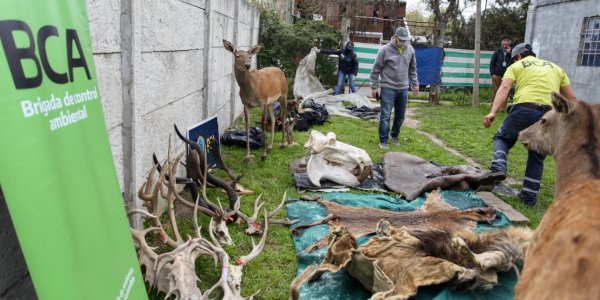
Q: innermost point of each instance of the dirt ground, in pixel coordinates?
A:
(411, 122)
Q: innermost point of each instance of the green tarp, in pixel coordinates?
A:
(341, 286)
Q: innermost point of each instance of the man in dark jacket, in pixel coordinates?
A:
(347, 66)
(498, 64)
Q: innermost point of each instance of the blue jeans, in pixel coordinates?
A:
(340, 83)
(519, 118)
(397, 100)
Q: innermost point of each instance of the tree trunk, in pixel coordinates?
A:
(475, 101)
(438, 41)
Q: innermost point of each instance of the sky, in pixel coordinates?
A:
(417, 5)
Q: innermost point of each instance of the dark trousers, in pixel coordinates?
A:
(519, 118)
(396, 100)
(496, 82)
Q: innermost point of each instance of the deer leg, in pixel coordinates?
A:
(264, 132)
(283, 116)
(247, 119)
(273, 121)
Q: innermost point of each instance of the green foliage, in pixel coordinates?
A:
(284, 45)
(503, 20)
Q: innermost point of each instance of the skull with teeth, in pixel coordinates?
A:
(335, 161)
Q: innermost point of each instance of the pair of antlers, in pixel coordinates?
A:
(173, 272)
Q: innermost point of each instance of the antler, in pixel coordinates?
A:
(196, 162)
(253, 226)
(217, 213)
(174, 272)
(231, 277)
(256, 249)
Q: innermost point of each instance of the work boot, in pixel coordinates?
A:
(492, 178)
(528, 200)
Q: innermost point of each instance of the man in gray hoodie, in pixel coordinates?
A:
(394, 72)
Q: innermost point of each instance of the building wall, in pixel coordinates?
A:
(558, 41)
(162, 62)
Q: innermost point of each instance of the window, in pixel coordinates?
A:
(589, 44)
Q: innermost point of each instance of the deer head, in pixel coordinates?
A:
(243, 59)
(545, 135)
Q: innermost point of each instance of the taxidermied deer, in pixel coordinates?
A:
(563, 261)
(174, 272)
(259, 88)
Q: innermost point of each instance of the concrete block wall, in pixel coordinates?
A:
(162, 62)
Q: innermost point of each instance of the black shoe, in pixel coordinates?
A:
(492, 178)
(527, 200)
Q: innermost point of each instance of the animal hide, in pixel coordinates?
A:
(398, 261)
(433, 215)
(410, 175)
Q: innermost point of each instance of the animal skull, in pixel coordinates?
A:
(221, 232)
(335, 161)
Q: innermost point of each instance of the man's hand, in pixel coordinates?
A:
(489, 119)
(416, 91)
(375, 94)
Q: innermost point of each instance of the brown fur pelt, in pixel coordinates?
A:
(399, 261)
(434, 214)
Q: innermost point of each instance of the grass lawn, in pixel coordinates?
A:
(460, 127)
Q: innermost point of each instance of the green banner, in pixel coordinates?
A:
(56, 167)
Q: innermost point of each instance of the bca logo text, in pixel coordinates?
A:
(15, 55)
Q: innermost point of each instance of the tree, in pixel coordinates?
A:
(420, 24)
(284, 45)
(503, 19)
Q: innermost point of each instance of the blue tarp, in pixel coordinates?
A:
(429, 65)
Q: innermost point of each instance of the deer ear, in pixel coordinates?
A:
(561, 104)
(255, 49)
(228, 46)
